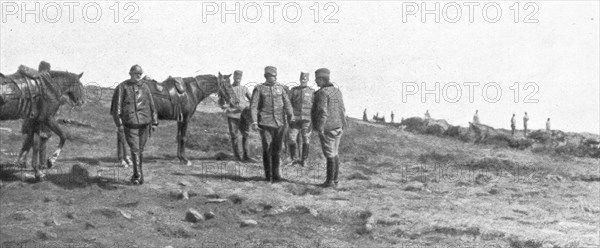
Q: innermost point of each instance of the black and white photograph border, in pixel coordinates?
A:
(300, 124)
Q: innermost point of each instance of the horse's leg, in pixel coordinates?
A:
(179, 124)
(35, 160)
(58, 131)
(184, 160)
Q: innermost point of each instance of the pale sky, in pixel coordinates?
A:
(370, 52)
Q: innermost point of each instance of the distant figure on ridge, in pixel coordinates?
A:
(548, 125)
(392, 115)
(525, 120)
(513, 125)
(476, 117)
(365, 118)
(427, 115)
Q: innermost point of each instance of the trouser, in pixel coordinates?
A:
(302, 129)
(271, 139)
(525, 130)
(330, 141)
(512, 128)
(235, 126)
(136, 136)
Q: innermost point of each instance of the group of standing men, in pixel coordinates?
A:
(273, 109)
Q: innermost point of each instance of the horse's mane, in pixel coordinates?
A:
(54, 74)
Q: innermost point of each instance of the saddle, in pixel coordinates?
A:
(25, 86)
(173, 89)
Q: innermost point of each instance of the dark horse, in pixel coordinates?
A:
(177, 99)
(36, 98)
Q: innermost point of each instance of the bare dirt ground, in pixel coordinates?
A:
(397, 189)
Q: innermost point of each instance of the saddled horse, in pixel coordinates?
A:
(177, 98)
(36, 97)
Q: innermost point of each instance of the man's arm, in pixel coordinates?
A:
(117, 104)
(254, 104)
(152, 107)
(287, 106)
(343, 110)
(320, 110)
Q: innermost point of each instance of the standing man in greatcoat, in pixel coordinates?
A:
(136, 114)
(235, 120)
(329, 120)
(302, 100)
(270, 106)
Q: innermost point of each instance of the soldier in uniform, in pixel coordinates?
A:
(302, 100)
(27, 127)
(548, 125)
(476, 117)
(513, 125)
(234, 118)
(135, 112)
(329, 120)
(269, 108)
(525, 120)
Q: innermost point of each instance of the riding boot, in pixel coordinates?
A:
(136, 175)
(293, 151)
(329, 176)
(275, 161)
(140, 164)
(305, 149)
(336, 170)
(267, 165)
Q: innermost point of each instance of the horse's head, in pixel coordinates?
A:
(225, 90)
(70, 85)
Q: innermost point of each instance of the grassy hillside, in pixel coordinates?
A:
(397, 189)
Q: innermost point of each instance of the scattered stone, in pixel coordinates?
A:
(246, 223)
(89, 226)
(48, 199)
(209, 215)
(193, 216)
(45, 235)
(51, 222)
(494, 191)
(71, 215)
(358, 176)
(185, 195)
(236, 199)
(314, 212)
(125, 214)
(216, 200)
(414, 186)
(185, 183)
(222, 156)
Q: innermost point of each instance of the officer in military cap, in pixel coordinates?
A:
(135, 112)
(302, 99)
(235, 120)
(270, 106)
(329, 120)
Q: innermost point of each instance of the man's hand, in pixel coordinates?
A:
(255, 126)
(120, 129)
(153, 128)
